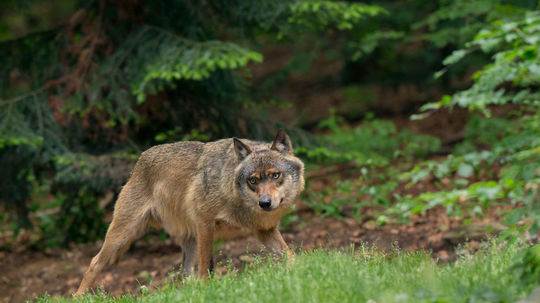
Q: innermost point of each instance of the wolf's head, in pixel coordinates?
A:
(268, 177)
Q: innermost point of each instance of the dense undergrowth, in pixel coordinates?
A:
(481, 171)
(496, 273)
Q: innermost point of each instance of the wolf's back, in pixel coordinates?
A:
(175, 160)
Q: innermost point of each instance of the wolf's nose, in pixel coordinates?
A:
(265, 202)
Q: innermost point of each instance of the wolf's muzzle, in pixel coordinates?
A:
(265, 203)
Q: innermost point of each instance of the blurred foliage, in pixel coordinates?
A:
(487, 168)
(512, 76)
(375, 143)
(529, 267)
(509, 79)
(496, 163)
(409, 43)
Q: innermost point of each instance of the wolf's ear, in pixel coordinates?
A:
(282, 143)
(241, 149)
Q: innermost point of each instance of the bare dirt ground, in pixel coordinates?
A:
(58, 272)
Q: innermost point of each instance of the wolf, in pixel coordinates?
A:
(186, 187)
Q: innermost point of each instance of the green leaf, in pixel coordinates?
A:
(455, 56)
(465, 170)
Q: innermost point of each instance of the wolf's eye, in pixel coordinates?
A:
(252, 180)
(276, 175)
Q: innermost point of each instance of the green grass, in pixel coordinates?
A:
(489, 275)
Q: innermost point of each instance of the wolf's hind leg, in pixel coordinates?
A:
(189, 252)
(125, 227)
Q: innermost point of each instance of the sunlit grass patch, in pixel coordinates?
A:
(489, 275)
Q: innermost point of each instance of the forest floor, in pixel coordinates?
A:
(26, 274)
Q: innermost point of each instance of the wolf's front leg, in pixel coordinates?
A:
(205, 241)
(273, 241)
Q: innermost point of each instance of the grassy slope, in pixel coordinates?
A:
(321, 276)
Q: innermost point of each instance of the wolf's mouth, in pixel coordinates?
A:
(273, 208)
